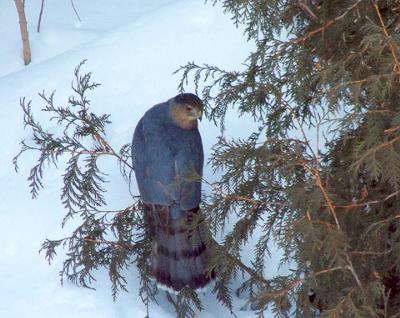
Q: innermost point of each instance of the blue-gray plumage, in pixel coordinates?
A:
(164, 155)
(167, 156)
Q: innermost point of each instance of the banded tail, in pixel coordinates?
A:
(180, 254)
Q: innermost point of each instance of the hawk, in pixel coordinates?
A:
(167, 155)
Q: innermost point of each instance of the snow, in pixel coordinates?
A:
(132, 48)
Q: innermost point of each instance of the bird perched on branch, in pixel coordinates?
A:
(167, 155)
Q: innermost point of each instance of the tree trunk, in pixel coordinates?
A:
(24, 31)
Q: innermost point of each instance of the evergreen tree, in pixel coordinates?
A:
(331, 68)
(328, 69)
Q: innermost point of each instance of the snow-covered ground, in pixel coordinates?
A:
(132, 48)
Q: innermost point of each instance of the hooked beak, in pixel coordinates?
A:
(196, 114)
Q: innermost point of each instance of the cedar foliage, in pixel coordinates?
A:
(112, 239)
(329, 70)
(326, 69)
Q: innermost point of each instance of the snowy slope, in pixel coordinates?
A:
(132, 48)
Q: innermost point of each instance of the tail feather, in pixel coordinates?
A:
(180, 249)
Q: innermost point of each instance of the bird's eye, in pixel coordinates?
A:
(188, 107)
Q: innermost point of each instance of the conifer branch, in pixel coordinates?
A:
(392, 129)
(373, 150)
(302, 39)
(393, 50)
(354, 205)
(307, 11)
(104, 238)
(364, 253)
(234, 197)
(369, 79)
(113, 152)
(317, 177)
(286, 87)
(245, 268)
(318, 181)
(120, 245)
(297, 282)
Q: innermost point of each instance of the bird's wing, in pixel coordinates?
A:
(168, 163)
(149, 159)
(189, 169)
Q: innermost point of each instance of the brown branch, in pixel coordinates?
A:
(392, 130)
(369, 252)
(315, 173)
(108, 149)
(374, 149)
(233, 197)
(358, 205)
(350, 265)
(302, 39)
(327, 224)
(396, 68)
(353, 271)
(306, 142)
(308, 11)
(380, 111)
(116, 244)
(92, 153)
(324, 271)
(317, 178)
(361, 81)
(120, 211)
(284, 291)
(245, 268)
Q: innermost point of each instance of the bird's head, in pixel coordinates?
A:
(185, 109)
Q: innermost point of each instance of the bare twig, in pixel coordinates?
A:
(314, 171)
(302, 39)
(331, 207)
(370, 252)
(233, 197)
(119, 212)
(318, 181)
(362, 204)
(120, 245)
(297, 282)
(110, 150)
(244, 267)
(382, 145)
(308, 11)
(396, 68)
(353, 271)
(40, 16)
(76, 12)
